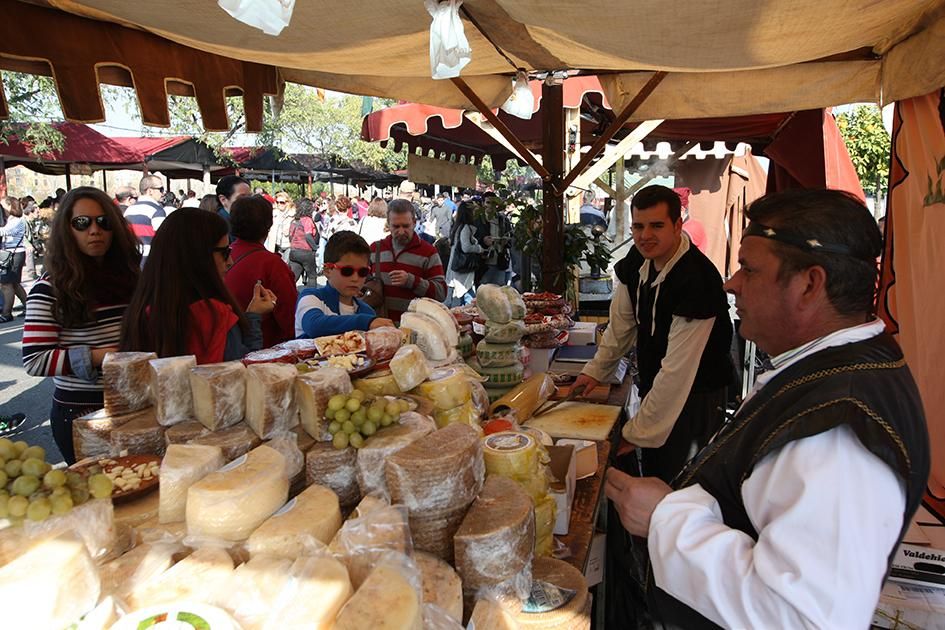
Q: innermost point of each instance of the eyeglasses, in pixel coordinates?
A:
(158, 188)
(224, 251)
(348, 270)
(83, 222)
(281, 202)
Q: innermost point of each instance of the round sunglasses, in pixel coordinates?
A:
(83, 222)
(348, 270)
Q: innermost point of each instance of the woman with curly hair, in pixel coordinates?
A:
(74, 311)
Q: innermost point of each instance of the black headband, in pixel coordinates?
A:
(786, 236)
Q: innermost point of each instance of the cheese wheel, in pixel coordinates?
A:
(372, 457)
(467, 413)
(497, 537)
(219, 391)
(312, 391)
(494, 303)
(428, 335)
(498, 354)
(304, 349)
(230, 503)
(466, 345)
(170, 389)
(439, 313)
(126, 381)
(319, 588)
(183, 466)
(202, 576)
(516, 303)
(510, 454)
(141, 434)
(270, 398)
(184, 432)
(441, 584)
(254, 587)
(446, 387)
(92, 433)
(433, 532)
(335, 469)
(378, 384)
(488, 613)
(571, 616)
(138, 566)
(509, 332)
(438, 472)
(409, 367)
(385, 600)
(362, 542)
(506, 376)
(383, 342)
(304, 524)
(233, 441)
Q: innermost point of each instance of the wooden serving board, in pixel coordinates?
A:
(580, 420)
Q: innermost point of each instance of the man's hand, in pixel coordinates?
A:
(398, 278)
(377, 322)
(635, 498)
(98, 354)
(263, 302)
(584, 384)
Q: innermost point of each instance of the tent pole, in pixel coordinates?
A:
(553, 277)
(68, 178)
(3, 178)
(104, 180)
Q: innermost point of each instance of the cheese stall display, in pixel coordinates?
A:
(381, 489)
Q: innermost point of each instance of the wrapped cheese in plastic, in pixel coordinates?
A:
(92, 433)
(312, 391)
(233, 441)
(516, 303)
(303, 348)
(380, 383)
(493, 302)
(126, 380)
(447, 387)
(466, 413)
(93, 522)
(254, 587)
(129, 572)
(442, 315)
(409, 367)
(372, 457)
(183, 466)
(185, 432)
(219, 391)
(508, 332)
(140, 435)
(270, 398)
(230, 503)
(318, 588)
(303, 526)
(383, 342)
(389, 597)
(335, 469)
(170, 388)
(287, 444)
(498, 354)
(362, 541)
(466, 346)
(203, 576)
(428, 335)
(271, 355)
(525, 397)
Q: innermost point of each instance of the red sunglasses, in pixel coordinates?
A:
(348, 270)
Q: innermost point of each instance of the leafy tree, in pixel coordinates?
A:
(869, 146)
(33, 103)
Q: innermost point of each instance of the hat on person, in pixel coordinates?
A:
(407, 187)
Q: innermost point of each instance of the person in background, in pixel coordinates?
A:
(229, 189)
(13, 240)
(335, 307)
(462, 284)
(147, 214)
(592, 215)
(34, 236)
(250, 222)
(182, 305)
(74, 311)
(691, 226)
(209, 203)
(303, 242)
(190, 200)
(443, 216)
(409, 267)
(170, 203)
(125, 197)
(373, 227)
(283, 214)
(340, 219)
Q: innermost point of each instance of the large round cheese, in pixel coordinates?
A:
(433, 531)
(183, 466)
(335, 469)
(494, 303)
(377, 449)
(438, 311)
(386, 600)
(304, 524)
(571, 616)
(428, 335)
(230, 503)
(441, 584)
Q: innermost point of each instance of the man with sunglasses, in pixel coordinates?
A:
(147, 214)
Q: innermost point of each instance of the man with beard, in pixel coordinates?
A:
(409, 266)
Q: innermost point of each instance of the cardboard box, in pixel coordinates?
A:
(907, 606)
(562, 485)
(585, 456)
(594, 571)
(582, 334)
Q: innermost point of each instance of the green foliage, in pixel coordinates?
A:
(33, 102)
(869, 146)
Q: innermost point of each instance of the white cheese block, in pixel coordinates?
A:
(373, 456)
(409, 367)
(183, 466)
(312, 391)
(304, 524)
(253, 589)
(234, 441)
(441, 584)
(317, 591)
(200, 577)
(335, 469)
(428, 335)
(386, 600)
(49, 586)
(497, 537)
(494, 303)
(439, 312)
(170, 389)
(140, 565)
(363, 541)
(126, 380)
(438, 472)
(219, 391)
(270, 398)
(230, 503)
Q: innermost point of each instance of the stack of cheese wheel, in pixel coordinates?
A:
(234, 441)
(126, 379)
(450, 389)
(574, 615)
(433, 327)
(139, 434)
(92, 433)
(436, 478)
(372, 457)
(499, 354)
(518, 456)
(495, 544)
(336, 469)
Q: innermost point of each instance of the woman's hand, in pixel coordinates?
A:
(263, 302)
(98, 354)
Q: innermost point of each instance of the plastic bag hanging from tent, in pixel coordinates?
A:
(449, 48)
(521, 101)
(269, 16)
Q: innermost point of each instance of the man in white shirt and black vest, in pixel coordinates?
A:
(790, 516)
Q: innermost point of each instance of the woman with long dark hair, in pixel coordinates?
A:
(12, 240)
(461, 278)
(182, 306)
(74, 311)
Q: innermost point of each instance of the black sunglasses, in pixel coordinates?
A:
(84, 222)
(224, 251)
(348, 270)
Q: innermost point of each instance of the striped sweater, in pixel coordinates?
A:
(421, 261)
(49, 349)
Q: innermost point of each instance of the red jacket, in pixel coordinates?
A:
(252, 262)
(210, 321)
(421, 261)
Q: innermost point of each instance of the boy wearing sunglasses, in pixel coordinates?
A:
(335, 308)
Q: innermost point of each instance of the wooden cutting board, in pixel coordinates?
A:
(599, 394)
(579, 420)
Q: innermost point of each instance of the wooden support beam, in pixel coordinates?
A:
(493, 133)
(614, 153)
(600, 183)
(620, 200)
(614, 126)
(500, 126)
(553, 277)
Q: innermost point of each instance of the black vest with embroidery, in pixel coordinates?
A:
(692, 289)
(864, 385)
